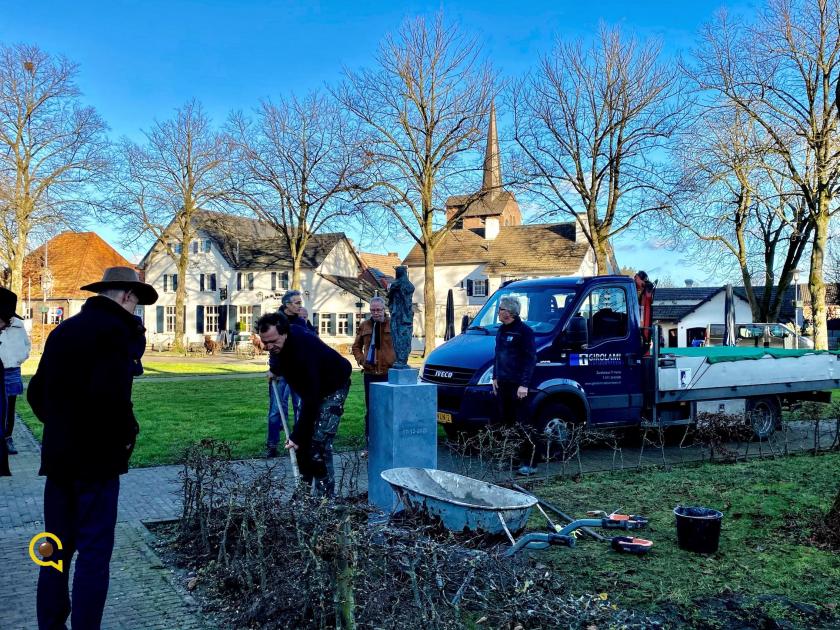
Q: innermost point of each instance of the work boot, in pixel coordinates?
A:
(10, 446)
(270, 452)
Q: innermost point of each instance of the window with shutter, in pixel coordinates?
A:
(207, 246)
(469, 287)
(201, 282)
(159, 318)
(212, 281)
(222, 317)
(199, 319)
(273, 280)
(166, 283)
(250, 281)
(238, 280)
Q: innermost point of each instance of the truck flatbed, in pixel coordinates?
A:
(686, 374)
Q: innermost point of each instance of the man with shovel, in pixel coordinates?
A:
(321, 377)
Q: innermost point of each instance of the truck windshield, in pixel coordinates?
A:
(540, 307)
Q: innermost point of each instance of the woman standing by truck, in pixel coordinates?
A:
(516, 356)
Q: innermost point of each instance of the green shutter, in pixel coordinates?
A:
(199, 316)
(159, 316)
(350, 331)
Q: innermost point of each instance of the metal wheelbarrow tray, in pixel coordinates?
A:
(461, 503)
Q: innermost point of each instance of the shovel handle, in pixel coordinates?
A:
(292, 454)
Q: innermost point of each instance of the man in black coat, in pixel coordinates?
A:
(82, 394)
(516, 357)
(321, 377)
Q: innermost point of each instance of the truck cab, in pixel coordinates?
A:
(589, 356)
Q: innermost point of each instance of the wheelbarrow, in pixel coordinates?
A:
(461, 503)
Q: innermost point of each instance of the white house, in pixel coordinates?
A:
(491, 246)
(239, 268)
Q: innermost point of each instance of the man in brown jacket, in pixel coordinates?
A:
(374, 350)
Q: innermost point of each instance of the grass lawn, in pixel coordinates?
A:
(768, 506)
(174, 414)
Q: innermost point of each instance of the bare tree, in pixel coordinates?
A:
(734, 198)
(422, 109)
(781, 73)
(297, 168)
(589, 123)
(53, 150)
(160, 186)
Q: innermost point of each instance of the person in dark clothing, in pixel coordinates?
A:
(82, 393)
(321, 377)
(516, 356)
(291, 305)
(8, 304)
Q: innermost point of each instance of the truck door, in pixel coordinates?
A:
(609, 367)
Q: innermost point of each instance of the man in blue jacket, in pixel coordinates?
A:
(82, 394)
(321, 377)
(516, 357)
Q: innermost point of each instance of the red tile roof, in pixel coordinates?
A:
(74, 260)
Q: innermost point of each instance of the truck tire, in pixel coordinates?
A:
(764, 413)
(554, 428)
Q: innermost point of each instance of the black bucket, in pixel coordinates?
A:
(698, 528)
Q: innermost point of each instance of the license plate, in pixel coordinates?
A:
(444, 418)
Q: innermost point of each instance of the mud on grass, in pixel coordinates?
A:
(767, 570)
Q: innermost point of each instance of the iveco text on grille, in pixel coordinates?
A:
(443, 374)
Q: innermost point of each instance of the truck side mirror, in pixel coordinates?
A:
(577, 332)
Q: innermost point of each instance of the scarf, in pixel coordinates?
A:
(375, 342)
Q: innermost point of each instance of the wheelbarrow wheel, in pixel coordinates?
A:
(556, 432)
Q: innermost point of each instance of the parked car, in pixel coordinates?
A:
(758, 335)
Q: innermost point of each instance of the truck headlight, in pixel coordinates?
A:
(487, 377)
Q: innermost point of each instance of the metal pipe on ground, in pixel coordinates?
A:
(559, 513)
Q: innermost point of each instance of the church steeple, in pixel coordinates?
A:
(492, 164)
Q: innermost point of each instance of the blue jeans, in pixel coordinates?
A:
(275, 424)
(83, 514)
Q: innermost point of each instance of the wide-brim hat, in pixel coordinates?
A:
(124, 278)
(8, 304)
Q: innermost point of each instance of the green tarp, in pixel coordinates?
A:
(719, 354)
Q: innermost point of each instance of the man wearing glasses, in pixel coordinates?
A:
(516, 357)
(291, 305)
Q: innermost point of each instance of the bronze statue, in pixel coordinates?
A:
(402, 315)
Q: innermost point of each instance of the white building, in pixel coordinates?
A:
(492, 246)
(239, 269)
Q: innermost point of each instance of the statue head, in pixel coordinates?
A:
(402, 271)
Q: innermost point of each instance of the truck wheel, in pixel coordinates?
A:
(764, 414)
(556, 427)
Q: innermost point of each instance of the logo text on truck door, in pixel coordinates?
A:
(603, 358)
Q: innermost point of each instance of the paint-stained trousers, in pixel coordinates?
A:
(315, 458)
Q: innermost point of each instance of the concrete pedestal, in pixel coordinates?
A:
(403, 430)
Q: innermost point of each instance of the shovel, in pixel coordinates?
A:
(292, 454)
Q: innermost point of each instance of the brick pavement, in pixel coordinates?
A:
(142, 593)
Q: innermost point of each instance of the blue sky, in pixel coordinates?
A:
(140, 59)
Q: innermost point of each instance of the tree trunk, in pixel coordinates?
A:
(815, 279)
(295, 283)
(18, 256)
(601, 258)
(181, 298)
(429, 302)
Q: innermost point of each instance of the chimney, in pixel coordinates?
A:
(393, 254)
(689, 283)
(580, 237)
(491, 228)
